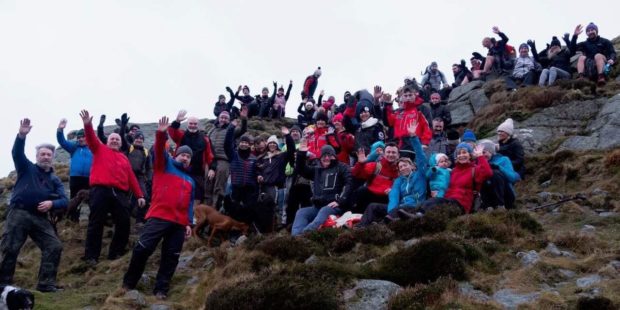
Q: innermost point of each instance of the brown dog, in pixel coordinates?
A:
(217, 221)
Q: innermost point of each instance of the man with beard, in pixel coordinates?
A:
(199, 142)
(140, 161)
(438, 110)
(111, 179)
(439, 141)
(379, 177)
(81, 161)
(37, 191)
(169, 217)
(219, 170)
(597, 53)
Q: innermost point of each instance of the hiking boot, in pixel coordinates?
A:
(50, 288)
(161, 296)
(90, 262)
(601, 80)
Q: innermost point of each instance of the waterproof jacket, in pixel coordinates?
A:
(111, 168)
(514, 151)
(436, 79)
(347, 145)
(380, 182)
(442, 111)
(200, 144)
(462, 186)
(401, 119)
(33, 184)
(310, 85)
(173, 187)
(243, 171)
(81, 156)
(503, 164)
(273, 167)
(226, 106)
(408, 191)
(368, 133)
(438, 177)
(329, 184)
(595, 46)
(217, 135)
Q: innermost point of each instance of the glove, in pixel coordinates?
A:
(124, 119)
(531, 44)
(229, 89)
(477, 55)
(101, 119)
(566, 37)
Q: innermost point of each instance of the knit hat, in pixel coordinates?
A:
(321, 117)
(338, 118)
(434, 63)
(184, 149)
(265, 89)
(138, 135)
(221, 97)
(295, 127)
(507, 126)
(468, 136)
(246, 138)
(488, 146)
(225, 113)
(318, 72)
(328, 150)
(79, 133)
(465, 146)
(453, 136)
(272, 139)
(592, 26)
(365, 109)
(309, 105)
(525, 46)
(555, 42)
(439, 156)
(246, 87)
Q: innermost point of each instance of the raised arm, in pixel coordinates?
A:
(290, 144)
(100, 132)
(19, 157)
(176, 134)
(160, 145)
(288, 91)
(232, 95)
(244, 123)
(91, 139)
(60, 137)
(300, 163)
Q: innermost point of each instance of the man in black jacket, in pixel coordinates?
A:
(596, 53)
(221, 105)
(37, 191)
(331, 189)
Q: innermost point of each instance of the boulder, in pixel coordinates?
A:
(135, 298)
(587, 281)
(511, 300)
(462, 92)
(478, 100)
(466, 289)
(461, 112)
(370, 295)
(603, 129)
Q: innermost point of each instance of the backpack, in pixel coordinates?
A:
(510, 51)
(146, 151)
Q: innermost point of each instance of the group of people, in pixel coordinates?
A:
(366, 155)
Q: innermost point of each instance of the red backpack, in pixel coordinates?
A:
(510, 51)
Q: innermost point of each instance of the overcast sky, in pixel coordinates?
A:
(151, 58)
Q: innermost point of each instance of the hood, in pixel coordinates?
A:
(365, 98)
(376, 145)
(370, 122)
(415, 104)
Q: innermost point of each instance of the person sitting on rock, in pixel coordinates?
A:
(556, 62)
(367, 132)
(279, 102)
(306, 112)
(439, 174)
(498, 192)
(497, 56)
(525, 67)
(597, 52)
(331, 189)
(435, 77)
(169, 217)
(407, 190)
(221, 105)
(246, 99)
(264, 102)
(462, 75)
(310, 84)
(510, 146)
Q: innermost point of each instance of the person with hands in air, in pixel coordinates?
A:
(111, 179)
(331, 189)
(279, 101)
(37, 191)
(170, 216)
(597, 53)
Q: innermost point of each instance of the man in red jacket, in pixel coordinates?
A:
(111, 179)
(169, 217)
(379, 176)
(401, 119)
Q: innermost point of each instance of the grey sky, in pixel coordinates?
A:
(151, 58)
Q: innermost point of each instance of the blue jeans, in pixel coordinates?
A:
(310, 218)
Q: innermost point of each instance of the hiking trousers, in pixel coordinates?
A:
(104, 200)
(19, 225)
(154, 231)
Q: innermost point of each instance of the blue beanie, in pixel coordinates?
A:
(468, 136)
(463, 145)
(592, 26)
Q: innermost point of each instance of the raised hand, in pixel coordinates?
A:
(566, 37)
(378, 92)
(387, 97)
(124, 119)
(303, 146)
(531, 43)
(412, 128)
(275, 84)
(229, 89)
(578, 30)
(101, 119)
(361, 156)
(62, 124)
(24, 127)
(478, 151)
(322, 93)
(495, 29)
(290, 82)
(285, 131)
(239, 89)
(181, 115)
(163, 124)
(86, 118)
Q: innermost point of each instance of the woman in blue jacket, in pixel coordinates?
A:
(498, 192)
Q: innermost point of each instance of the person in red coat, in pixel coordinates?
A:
(169, 217)
(401, 119)
(345, 139)
(111, 179)
(379, 176)
(310, 84)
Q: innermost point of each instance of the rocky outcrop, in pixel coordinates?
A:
(466, 101)
(370, 294)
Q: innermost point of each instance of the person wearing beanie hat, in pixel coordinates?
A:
(597, 54)
(279, 101)
(320, 136)
(331, 189)
(81, 162)
(246, 98)
(557, 64)
(510, 146)
(310, 85)
(272, 177)
(221, 105)
(170, 215)
(263, 103)
(141, 164)
(498, 191)
(525, 66)
(345, 140)
(435, 77)
(469, 137)
(439, 174)
(306, 114)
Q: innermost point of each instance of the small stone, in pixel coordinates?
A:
(160, 307)
(569, 254)
(136, 298)
(615, 264)
(184, 261)
(597, 191)
(608, 214)
(511, 300)
(468, 290)
(545, 184)
(588, 281)
(553, 250)
(588, 229)
(411, 242)
(566, 273)
(370, 295)
(209, 264)
(192, 281)
(528, 258)
(242, 239)
(544, 196)
(312, 260)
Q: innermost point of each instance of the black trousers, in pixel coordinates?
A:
(18, 226)
(496, 191)
(154, 231)
(299, 196)
(364, 197)
(374, 213)
(243, 203)
(76, 184)
(104, 200)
